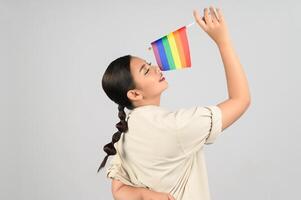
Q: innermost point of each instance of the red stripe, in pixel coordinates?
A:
(185, 45)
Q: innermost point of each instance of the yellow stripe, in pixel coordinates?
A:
(174, 50)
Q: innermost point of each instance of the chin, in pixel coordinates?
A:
(163, 85)
(166, 85)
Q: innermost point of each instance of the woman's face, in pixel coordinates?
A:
(147, 78)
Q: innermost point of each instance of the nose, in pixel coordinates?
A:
(158, 70)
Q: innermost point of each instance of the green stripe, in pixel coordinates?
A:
(168, 53)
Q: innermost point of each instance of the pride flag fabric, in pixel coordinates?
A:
(172, 51)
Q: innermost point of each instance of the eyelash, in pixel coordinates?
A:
(148, 68)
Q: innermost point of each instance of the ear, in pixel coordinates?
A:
(134, 95)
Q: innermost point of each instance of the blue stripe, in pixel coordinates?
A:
(162, 54)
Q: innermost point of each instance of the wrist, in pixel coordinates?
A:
(224, 43)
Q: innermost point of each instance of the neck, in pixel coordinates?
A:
(155, 101)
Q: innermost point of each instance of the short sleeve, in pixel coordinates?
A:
(197, 126)
(216, 124)
(117, 171)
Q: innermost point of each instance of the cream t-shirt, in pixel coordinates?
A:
(163, 150)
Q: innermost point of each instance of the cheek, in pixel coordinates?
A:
(151, 85)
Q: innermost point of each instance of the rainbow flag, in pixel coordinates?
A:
(172, 50)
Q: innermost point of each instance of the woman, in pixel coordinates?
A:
(160, 155)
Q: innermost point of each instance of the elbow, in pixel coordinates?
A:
(116, 186)
(247, 104)
(246, 101)
(116, 195)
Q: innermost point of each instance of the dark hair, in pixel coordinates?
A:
(116, 81)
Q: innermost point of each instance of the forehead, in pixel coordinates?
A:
(136, 64)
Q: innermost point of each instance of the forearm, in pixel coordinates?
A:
(127, 192)
(237, 83)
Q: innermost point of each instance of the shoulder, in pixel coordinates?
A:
(174, 118)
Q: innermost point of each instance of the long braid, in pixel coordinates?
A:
(122, 127)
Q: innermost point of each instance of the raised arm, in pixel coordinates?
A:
(239, 98)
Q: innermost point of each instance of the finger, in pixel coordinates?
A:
(213, 14)
(200, 21)
(207, 16)
(220, 14)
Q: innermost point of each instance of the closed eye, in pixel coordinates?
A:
(148, 68)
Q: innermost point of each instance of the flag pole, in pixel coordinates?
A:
(192, 23)
(187, 26)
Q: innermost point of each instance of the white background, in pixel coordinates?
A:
(55, 117)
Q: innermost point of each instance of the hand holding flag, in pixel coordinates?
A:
(172, 50)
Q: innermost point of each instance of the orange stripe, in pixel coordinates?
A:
(185, 45)
(180, 47)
